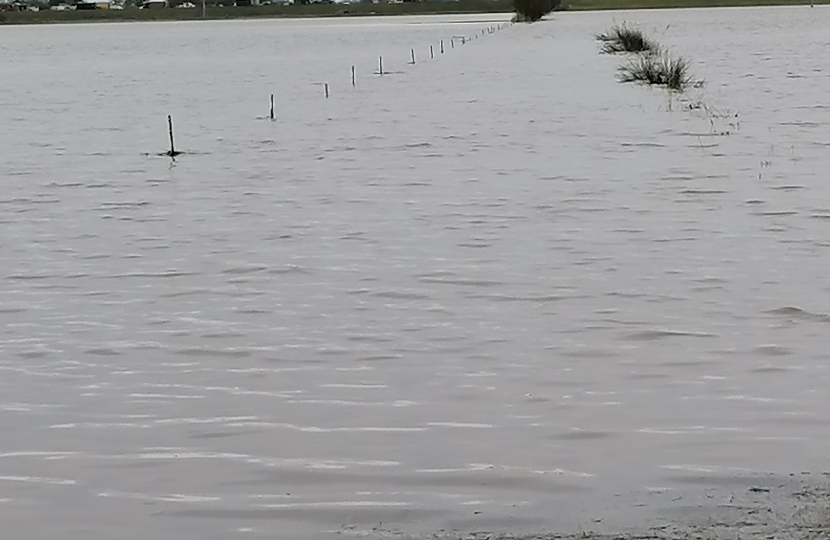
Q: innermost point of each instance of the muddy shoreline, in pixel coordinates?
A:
(794, 507)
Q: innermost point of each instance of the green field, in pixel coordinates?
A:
(219, 12)
(652, 4)
(350, 10)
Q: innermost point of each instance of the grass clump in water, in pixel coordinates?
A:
(659, 69)
(624, 39)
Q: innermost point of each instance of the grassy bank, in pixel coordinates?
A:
(348, 10)
(579, 5)
(273, 11)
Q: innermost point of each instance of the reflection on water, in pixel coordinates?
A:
(479, 292)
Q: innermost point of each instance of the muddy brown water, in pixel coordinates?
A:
(496, 290)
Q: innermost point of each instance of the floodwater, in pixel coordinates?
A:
(494, 290)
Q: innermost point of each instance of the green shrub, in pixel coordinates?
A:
(533, 10)
(658, 69)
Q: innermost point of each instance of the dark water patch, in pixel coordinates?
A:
(624, 294)
(157, 275)
(401, 295)
(438, 350)
(148, 219)
(773, 350)
(32, 355)
(182, 294)
(584, 435)
(663, 298)
(474, 245)
(55, 287)
(646, 144)
(103, 351)
(211, 435)
(799, 419)
(122, 205)
(802, 123)
(462, 282)
(335, 513)
(217, 353)
(666, 240)
(66, 184)
(788, 187)
(777, 213)
(30, 277)
(711, 280)
(18, 200)
(94, 294)
(646, 376)
(693, 364)
(769, 369)
(223, 335)
(799, 314)
(533, 299)
(623, 322)
(239, 280)
(289, 269)
(14, 173)
(708, 288)
(736, 480)
(493, 478)
(253, 311)
(369, 338)
(692, 191)
(653, 335)
(448, 339)
(11, 310)
(379, 358)
(141, 464)
(481, 522)
(589, 354)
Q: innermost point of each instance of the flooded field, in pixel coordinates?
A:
(495, 290)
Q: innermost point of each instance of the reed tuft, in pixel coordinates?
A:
(658, 69)
(622, 38)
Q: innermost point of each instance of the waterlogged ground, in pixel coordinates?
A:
(492, 291)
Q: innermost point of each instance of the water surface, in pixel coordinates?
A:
(496, 290)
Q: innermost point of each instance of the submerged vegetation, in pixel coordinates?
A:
(624, 39)
(533, 10)
(651, 64)
(658, 69)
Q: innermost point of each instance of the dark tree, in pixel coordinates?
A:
(533, 10)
